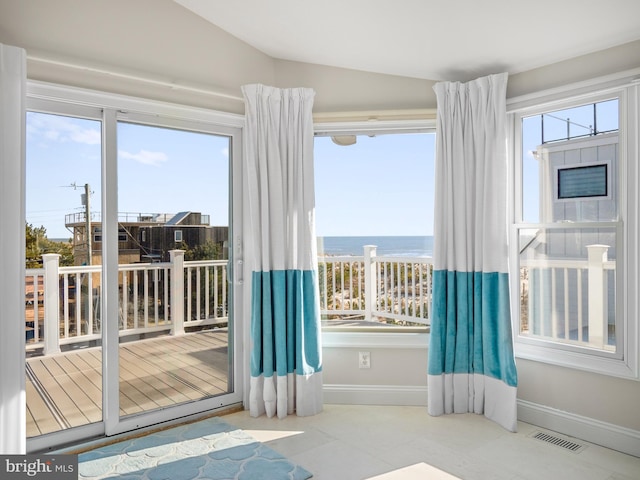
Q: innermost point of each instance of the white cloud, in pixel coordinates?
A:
(57, 128)
(145, 157)
(85, 135)
(225, 152)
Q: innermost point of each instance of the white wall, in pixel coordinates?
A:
(156, 39)
(604, 62)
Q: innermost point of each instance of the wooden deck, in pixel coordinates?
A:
(65, 390)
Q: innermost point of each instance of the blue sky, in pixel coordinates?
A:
(159, 170)
(61, 151)
(383, 185)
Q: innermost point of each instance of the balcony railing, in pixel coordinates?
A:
(127, 217)
(562, 300)
(63, 303)
(570, 301)
(372, 290)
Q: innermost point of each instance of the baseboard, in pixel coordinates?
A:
(404, 395)
(605, 434)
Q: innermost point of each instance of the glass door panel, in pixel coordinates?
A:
(173, 237)
(63, 266)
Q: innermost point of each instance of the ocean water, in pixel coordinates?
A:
(410, 246)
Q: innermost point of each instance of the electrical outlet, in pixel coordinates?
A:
(364, 359)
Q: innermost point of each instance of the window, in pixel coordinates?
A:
(571, 242)
(97, 234)
(126, 152)
(374, 222)
(582, 182)
(177, 236)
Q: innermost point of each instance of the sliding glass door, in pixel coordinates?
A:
(173, 253)
(129, 301)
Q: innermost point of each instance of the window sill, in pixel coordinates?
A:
(580, 361)
(373, 337)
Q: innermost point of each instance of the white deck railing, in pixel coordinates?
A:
(378, 289)
(63, 303)
(570, 301)
(562, 300)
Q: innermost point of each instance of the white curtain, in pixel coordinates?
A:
(13, 74)
(280, 249)
(471, 363)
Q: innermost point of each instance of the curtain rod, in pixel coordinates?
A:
(160, 83)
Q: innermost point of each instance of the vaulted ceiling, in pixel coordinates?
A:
(428, 39)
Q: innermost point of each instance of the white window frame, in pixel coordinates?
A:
(625, 363)
(109, 108)
(405, 337)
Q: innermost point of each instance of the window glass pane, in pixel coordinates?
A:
(570, 175)
(571, 179)
(580, 121)
(64, 360)
(568, 286)
(567, 124)
(376, 192)
(173, 199)
(607, 116)
(531, 139)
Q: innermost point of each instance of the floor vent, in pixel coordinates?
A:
(558, 441)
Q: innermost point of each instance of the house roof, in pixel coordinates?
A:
(177, 219)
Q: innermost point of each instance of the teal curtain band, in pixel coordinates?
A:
(471, 325)
(285, 331)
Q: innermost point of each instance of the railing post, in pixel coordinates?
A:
(177, 291)
(598, 321)
(370, 284)
(51, 263)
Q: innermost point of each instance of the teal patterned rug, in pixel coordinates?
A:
(209, 449)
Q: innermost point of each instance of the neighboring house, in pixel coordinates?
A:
(578, 183)
(146, 237)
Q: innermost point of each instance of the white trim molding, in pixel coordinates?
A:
(374, 125)
(403, 395)
(171, 85)
(594, 431)
(575, 91)
(377, 339)
(48, 92)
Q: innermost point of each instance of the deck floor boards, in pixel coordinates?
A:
(65, 390)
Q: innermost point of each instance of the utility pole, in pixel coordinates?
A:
(87, 216)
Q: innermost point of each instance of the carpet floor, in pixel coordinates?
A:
(209, 449)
